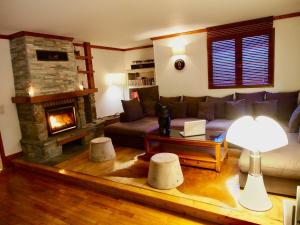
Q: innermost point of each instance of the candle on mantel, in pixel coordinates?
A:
(30, 91)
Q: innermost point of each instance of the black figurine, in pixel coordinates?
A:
(164, 120)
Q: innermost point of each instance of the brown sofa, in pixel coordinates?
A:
(131, 134)
(281, 168)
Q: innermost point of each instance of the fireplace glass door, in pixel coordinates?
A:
(61, 118)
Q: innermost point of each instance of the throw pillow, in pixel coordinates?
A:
(266, 108)
(251, 97)
(294, 122)
(219, 105)
(206, 110)
(132, 109)
(149, 107)
(148, 94)
(192, 104)
(167, 100)
(235, 109)
(177, 109)
(286, 103)
(149, 97)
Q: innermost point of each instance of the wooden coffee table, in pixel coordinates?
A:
(205, 151)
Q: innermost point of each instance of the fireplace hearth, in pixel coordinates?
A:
(60, 119)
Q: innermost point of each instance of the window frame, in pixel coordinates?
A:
(238, 58)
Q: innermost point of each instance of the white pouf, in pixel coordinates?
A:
(101, 149)
(165, 171)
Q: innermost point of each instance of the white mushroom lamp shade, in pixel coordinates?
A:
(262, 134)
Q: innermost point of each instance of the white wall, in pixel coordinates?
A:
(9, 122)
(108, 98)
(107, 62)
(193, 79)
(138, 54)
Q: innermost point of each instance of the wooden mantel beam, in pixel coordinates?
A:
(53, 97)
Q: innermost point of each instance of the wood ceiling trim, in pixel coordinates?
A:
(285, 16)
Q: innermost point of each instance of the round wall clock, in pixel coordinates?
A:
(179, 64)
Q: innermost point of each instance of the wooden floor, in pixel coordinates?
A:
(200, 185)
(27, 198)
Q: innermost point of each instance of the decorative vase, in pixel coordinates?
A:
(164, 120)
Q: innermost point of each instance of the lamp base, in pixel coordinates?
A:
(254, 195)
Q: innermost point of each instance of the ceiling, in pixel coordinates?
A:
(129, 23)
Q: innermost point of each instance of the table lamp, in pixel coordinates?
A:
(262, 134)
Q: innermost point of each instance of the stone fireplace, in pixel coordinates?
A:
(52, 109)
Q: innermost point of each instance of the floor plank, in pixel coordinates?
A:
(27, 198)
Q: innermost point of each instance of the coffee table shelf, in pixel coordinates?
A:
(207, 151)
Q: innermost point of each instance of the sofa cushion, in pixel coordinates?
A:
(219, 124)
(149, 97)
(286, 103)
(283, 162)
(177, 109)
(206, 110)
(132, 109)
(294, 122)
(192, 104)
(251, 97)
(148, 94)
(149, 107)
(219, 105)
(235, 109)
(166, 100)
(180, 121)
(267, 108)
(134, 128)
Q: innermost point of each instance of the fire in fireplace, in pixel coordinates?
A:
(61, 118)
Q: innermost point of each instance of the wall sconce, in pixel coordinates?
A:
(178, 50)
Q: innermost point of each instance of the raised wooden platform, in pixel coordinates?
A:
(203, 208)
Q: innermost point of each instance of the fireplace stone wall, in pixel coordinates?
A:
(47, 78)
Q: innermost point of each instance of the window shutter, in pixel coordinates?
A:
(241, 54)
(223, 56)
(255, 60)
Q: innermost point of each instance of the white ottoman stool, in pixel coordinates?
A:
(165, 171)
(101, 149)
